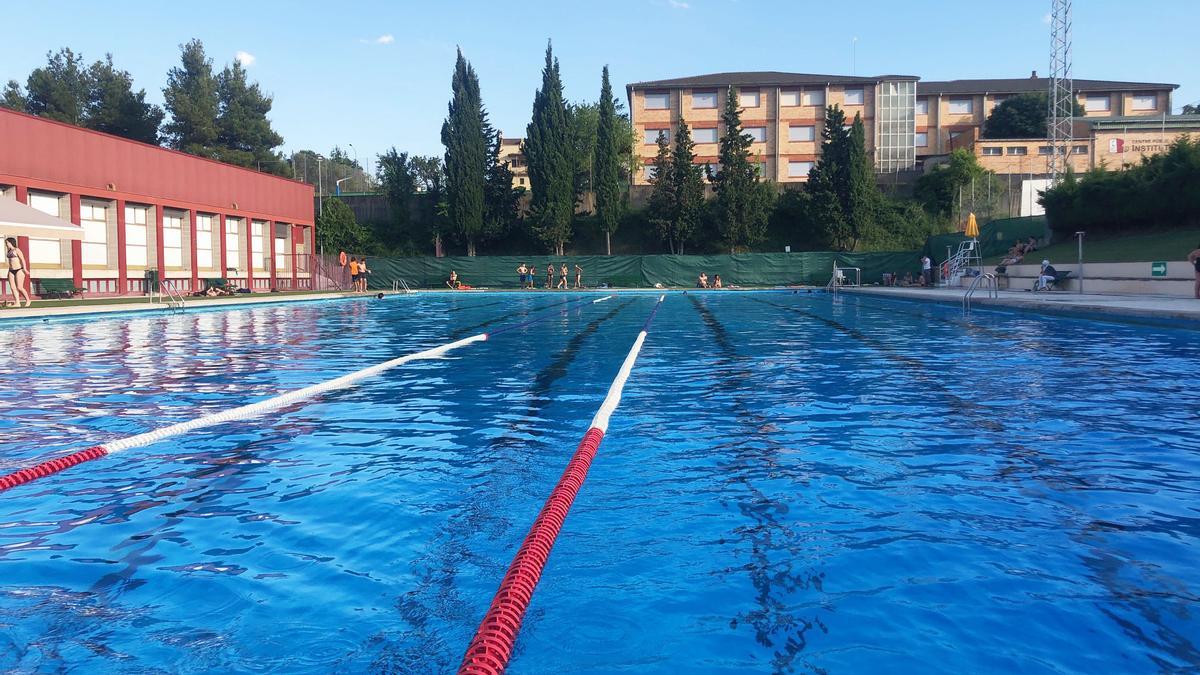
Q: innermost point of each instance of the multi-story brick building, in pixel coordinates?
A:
(907, 121)
(783, 112)
(510, 151)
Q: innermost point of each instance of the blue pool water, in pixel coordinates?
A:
(793, 483)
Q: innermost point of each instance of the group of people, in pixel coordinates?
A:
(703, 282)
(1016, 254)
(358, 274)
(527, 275)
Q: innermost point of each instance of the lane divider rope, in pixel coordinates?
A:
(57, 464)
(492, 646)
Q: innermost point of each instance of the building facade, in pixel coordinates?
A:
(510, 151)
(142, 208)
(782, 112)
(907, 121)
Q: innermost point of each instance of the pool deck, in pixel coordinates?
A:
(1118, 307)
(48, 309)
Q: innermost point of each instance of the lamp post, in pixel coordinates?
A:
(356, 158)
(320, 189)
(1079, 236)
(337, 188)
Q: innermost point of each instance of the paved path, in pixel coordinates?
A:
(50, 310)
(1115, 306)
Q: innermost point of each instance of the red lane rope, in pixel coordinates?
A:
(492, 647)
(50, 466)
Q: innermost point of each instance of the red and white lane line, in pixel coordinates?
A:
(492, 646)
(53, 466)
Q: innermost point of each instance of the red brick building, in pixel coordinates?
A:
(142, 207)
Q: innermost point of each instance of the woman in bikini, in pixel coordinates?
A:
(18, 271)
(578, 276)
(550, 275)
(562, 277)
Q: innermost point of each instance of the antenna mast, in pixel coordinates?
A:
(1061, 99)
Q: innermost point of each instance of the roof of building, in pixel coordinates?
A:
(1023, 85)
(767, 78)
(1189, 122)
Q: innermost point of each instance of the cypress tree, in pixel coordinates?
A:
(688, 181)
(743, 200)
(549, 153)
(661, 206)
(862, 195)
(192, 101)
(466, 154)
(607, 172)
(829, 179)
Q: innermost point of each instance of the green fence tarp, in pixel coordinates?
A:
(995, 237)
(644, 271)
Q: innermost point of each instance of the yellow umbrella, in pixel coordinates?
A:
(972, 227)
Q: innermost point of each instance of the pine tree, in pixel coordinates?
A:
(466, 154)
(548, 152)
(114, 108)
(829, 179)
(500, 201)
(13, 98)
(244, 134)
(606, 177)
(192, 101)
(661, 205)
(688, 180)
(59, 90)
(743, 200)
(862, 194)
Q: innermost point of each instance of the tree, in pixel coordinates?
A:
(938, 189)
(431, 180)
(59, 90)
(466, 154)
(337, 230)
(501, 203)
(584, 121)
(398, 179)
(1190, 109)
(743, 201)
(193, 103)
(677, 197)
(339, 156)
(661, 205)
(862, 194)
(551, 162)
(13, 98)
(606, 172)
(1021, 116)
(244, 134)
(114, 108)
(829, 180)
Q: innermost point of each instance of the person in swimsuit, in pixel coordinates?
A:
(578, 276)
(562, 277)
(353, 274)
(1193, 257)
(550, 275)
(702, 281)
(362, 275)
(717, 281)
(453, 282)
(521, 272)
(18, 271)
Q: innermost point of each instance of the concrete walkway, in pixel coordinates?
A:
(48, 309)
(1151, 307)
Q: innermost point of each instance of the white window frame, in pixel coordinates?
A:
(137, 236)
(753, 95)
(854, 96)
(922, 106)
(799, 168)
(1097, 103)
(959, 101)
(707, 131)
(258, 244)
(705, 94)
(1017, 150)
(93, 219)
(204, 242)
(1138, 102)
(656, 97)
(750, 131)
(921, 139)
(807, 133)
(812, 97)
(45, 251)
(651, 136)
(992, 152)
(172, 244)
(790, 98)
(233, 257)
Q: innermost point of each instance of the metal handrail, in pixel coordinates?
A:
(834, 280)
(993, 290)
(175, 299)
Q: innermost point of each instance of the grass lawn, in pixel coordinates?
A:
(1115, 248)
(142, 299)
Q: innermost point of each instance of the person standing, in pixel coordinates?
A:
(926, 271)
(353, 274)
(578, 276)
(1193, 257)
(550, 276)
(521, 272)
(362, 275)
(562, 277)
(18, 272)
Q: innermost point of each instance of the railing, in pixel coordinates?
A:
(166, 288)
(987, 280)
(400, 286)
(838, 279)
(965, 258)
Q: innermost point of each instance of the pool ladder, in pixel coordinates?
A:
(838, 279)
(988, 281)
(175, 300)
(400, 286)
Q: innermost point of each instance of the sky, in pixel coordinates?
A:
(368, 76)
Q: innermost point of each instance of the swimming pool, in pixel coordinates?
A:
(793, 483)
